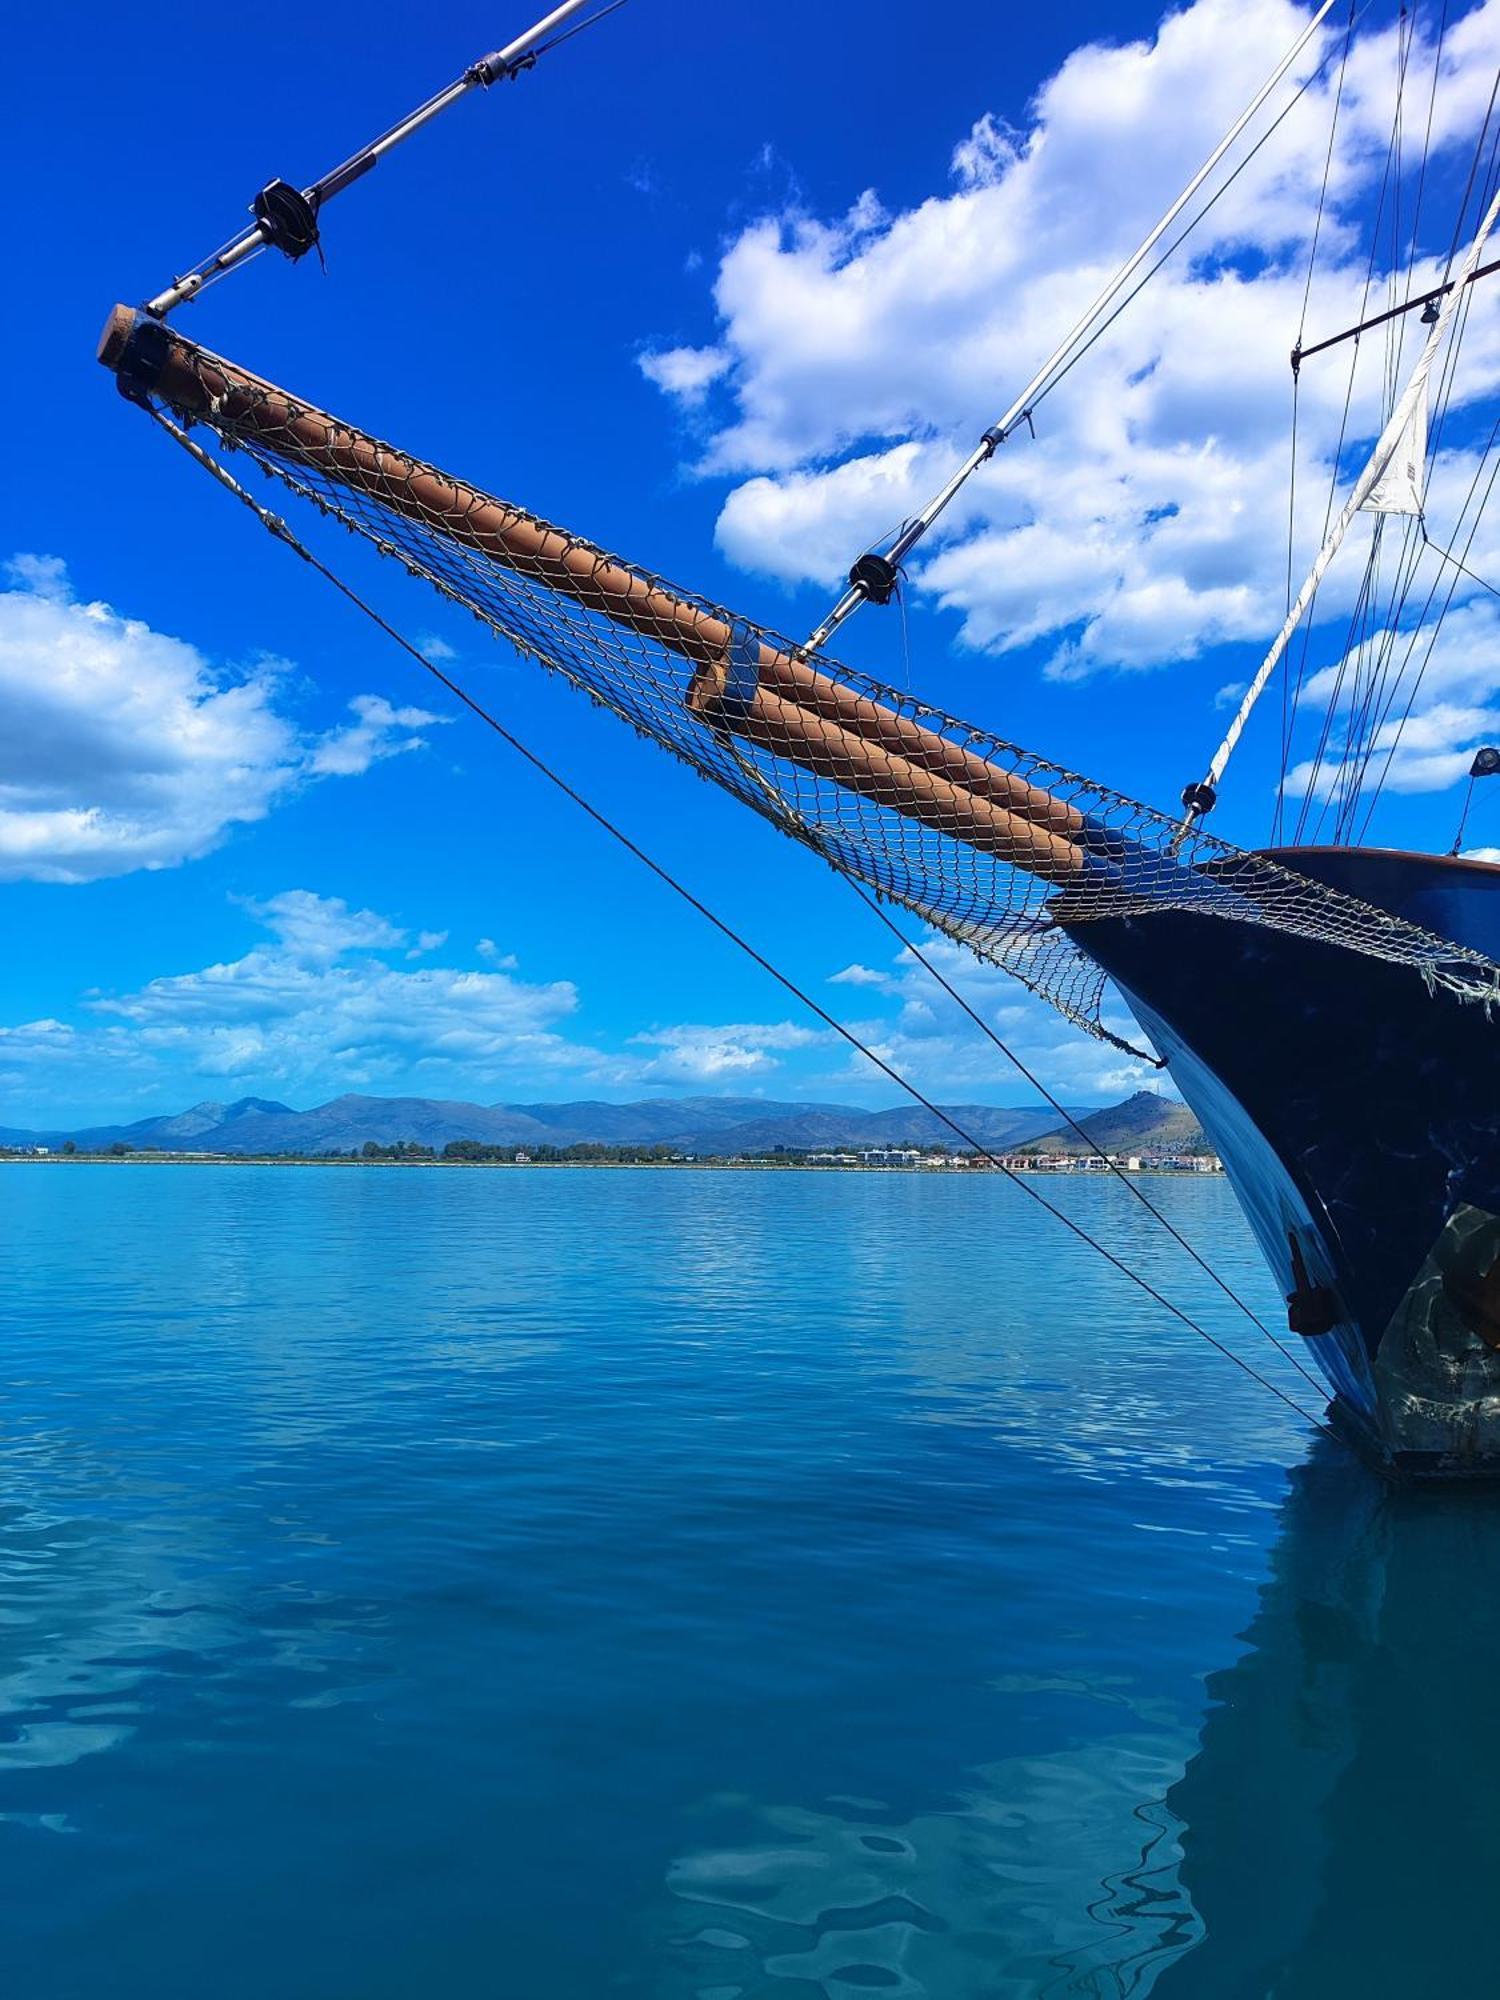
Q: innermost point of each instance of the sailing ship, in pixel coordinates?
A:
(1327, 1010)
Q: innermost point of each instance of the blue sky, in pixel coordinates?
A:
(725, 289)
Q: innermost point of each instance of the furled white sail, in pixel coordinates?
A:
(1398, 490)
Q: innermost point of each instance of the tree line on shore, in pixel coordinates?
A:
(461, 1151)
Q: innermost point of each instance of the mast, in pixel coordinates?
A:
(874, 577)
(1201, 798)
(287, 218)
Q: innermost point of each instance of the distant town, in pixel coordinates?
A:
(469, 1153)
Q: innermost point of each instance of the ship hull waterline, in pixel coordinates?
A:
(1357, 1114)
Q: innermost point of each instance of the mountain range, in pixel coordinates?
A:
(692, 1124)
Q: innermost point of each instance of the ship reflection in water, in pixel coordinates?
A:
(1333, 1833)
(1339, 1830)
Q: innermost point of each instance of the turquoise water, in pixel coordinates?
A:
(749, 1587)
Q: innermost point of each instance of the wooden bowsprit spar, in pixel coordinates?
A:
(902, 801)
(741, 684)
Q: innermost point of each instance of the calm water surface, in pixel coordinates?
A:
(711, 1585)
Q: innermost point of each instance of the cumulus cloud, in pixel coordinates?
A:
(690, 1054)
(1423, 752)
(378, 731)
(30, 1048)
(318, 929)
(685, 372)
(860, 975)
(1413, 708)
(855, 357)
(320, 1005)
(928, 1038)
(330, 1001)
(123, 748)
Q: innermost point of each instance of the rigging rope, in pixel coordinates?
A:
(1096, 1151)
(1289, 690)
(871, 578)
(1363, 746)
(1370, 716)
(1291, 703)
(1421, 673)
(283, 533)
(1463, 818)
(1416, 212)
(1369, 720)
(1199, 798)
(1447, 556)
(915, 951)
(1099, 331)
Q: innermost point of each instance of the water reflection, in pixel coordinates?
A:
(1332, 1833)
(406, 1577)
(1340, 1832)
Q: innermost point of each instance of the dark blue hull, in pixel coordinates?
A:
(1358, 1118)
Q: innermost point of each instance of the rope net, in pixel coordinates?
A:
(999, 849)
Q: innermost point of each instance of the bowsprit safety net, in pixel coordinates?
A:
(1009, 854)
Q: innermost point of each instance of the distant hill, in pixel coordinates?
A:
(1143, 1123)
(693, 1124)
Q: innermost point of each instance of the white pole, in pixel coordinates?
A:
(1379, 459)
(489, 69)
(907, 540)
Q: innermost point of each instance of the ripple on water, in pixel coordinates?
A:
(752, 1587)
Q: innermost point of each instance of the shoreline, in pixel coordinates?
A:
(1076, 1164)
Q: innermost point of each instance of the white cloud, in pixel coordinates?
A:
(319, 1006)
(378, 731)
(123, 748)
(31, 1048)
(923, 1034)
(856, 358)
(685, 372)
(45, 1033)
(691, 1054)
(928, 1038)
(1425, 752)
(1435, 704)
(318, 929)
(43, 576)
(989, 152)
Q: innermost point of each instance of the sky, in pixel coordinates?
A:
(729, 290)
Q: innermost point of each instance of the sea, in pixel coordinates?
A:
(760, 1585)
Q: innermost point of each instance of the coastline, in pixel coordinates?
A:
(1089, 1163)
